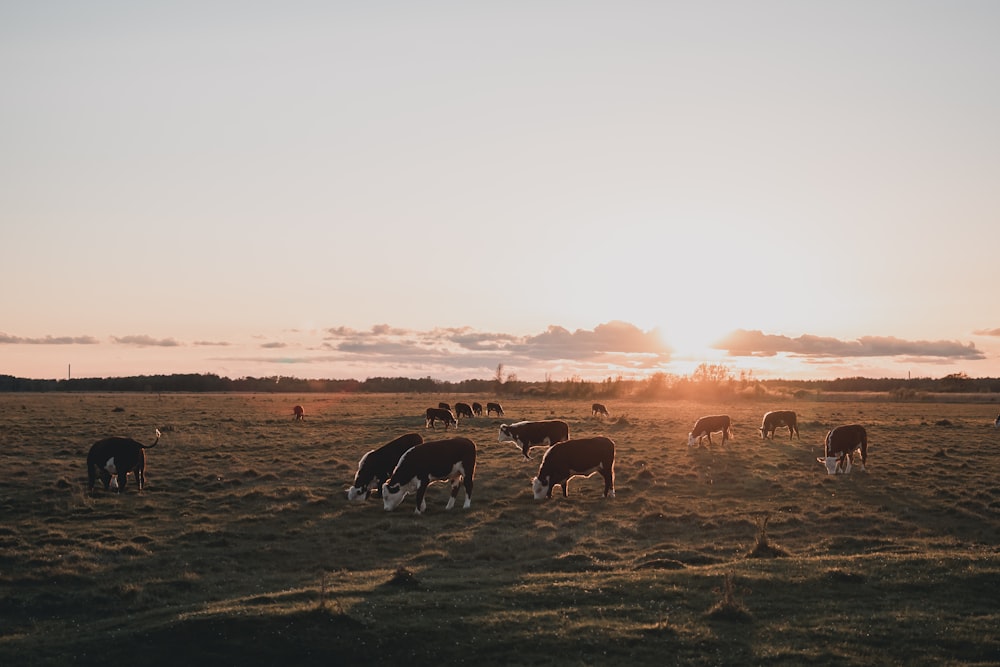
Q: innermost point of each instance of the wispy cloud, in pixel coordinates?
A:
(986, 332)
(145, 341)
(756, 343)
(209, 343)
(6, 339)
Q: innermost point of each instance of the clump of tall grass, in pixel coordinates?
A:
(730, 606)
(763, 548)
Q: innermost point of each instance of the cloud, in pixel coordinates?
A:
(986, 332)
(744, 343)
(274, 345)
(209, 343)
(145, 341)
(6, 339)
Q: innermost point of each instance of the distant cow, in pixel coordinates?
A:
(777, 419)
(706, 426)
(534, 434)
(598, 409)
(477, 409)
(299, 412)
(376, 466)
(437, 460)
(573, 458)
(841, 443)
(439, 415)
(463, 410)
(996, 422)
(444, 406)
(494, 407)
(117, 456)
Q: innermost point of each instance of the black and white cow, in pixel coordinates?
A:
(477, 409)
(494, 407)
(437, 460)
(534, 434)
(439, 415)
(376, 466)
(575, 458)
(598, 409)
(117, 456)
(463, 410)
(706, 426)
(777, 419)
(841, 443)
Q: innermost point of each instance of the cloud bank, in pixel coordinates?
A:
(744, 343)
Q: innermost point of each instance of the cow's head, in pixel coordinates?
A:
(393, 494)
(691, 440)
(505, 435)
(836, 464)
(539, 488)
(363, 479)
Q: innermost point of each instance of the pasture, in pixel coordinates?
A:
(243, 550)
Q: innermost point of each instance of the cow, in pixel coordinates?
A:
(598, 409)
(444, 406)
(996, 422)
(376, 466)
(437, 460)
(439, 414)
(117, 456)
(477, 409)
(841, 443)
(571, 458)
(299, 412)
(706, 426)
(463, 410)
(777, 419)
(534, 434)
(494, 407)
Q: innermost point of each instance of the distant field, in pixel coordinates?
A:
(243, 550)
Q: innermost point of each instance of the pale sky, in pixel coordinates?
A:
(340, 189)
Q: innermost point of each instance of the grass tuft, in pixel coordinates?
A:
(729, 607)
(762, 547)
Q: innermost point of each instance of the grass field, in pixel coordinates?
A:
(242, 549)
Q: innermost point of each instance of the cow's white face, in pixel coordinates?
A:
(539, 489)
(110, 466)
(393, 495)
(357, 493)
(691, 440)
(505, 435)
(833, 465)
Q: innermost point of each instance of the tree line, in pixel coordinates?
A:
(708, 381)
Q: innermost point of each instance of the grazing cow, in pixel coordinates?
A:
(706, 426)
(117, 456)
(376, 466)
(494, 407)
(477, 409)
(463, 410)
(572, 458)
(996, 422)
(444, 406)
(841, 443)
(437, 460)
(299, 412)
(534, 434)
(598, 409)
(777, 419)
(439, 414)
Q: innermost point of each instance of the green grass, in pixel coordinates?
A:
(243, 549)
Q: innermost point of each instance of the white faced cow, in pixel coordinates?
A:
(706, 426)
(572, 458)
(534, 434)
(494, 407)
(437, 460)
(778, 419)
(598, 410)
(841, 443)
(376, 466)
(112, 459)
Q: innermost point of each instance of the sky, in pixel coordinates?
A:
(569, 189)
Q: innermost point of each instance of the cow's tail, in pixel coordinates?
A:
(154, 442)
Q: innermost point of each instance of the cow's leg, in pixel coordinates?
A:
(140, 478)
(468, 492)
(122, 479)
(609, 483)
(565, 483)
(421, 491)
(456, 483)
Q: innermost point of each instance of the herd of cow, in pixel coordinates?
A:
(408, 464)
